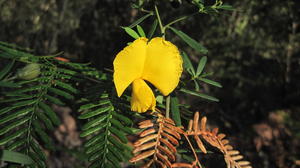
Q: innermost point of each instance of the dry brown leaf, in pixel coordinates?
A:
(203, 124)
(170, 138)
(145, 139)
(182, 165)
(200, 144)
(196, 121)
(143, 147)
(167, 152)
(142, 155)
(164, 159)
(147, 132)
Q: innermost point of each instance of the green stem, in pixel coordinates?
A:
(162, 28)
(179, 19)
(168, 102)
(146, 11)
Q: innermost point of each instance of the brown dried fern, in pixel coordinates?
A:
(215, 139)
(157, 142)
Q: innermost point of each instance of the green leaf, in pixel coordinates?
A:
(120, 126)
(66, 71)
(91, 130)
(12, 53)
(9, 84)
(42, 134)
(126, 120)
(187, 64)
(152, 29)
(175, 112)
(15, 115)
(191, 42)
(94, 122)
(117, 153)
(37, 160)
(131, 32)
(226, 7)
(113, 160)
(199, 95)
(118, 134)
(96, 155)
(44, 119)
(201, 65)
(24, 103)
(29, 89)
(93, 140)
(50, 113)
(13, 125)
(95, 148)
(211, 82)
(36, 148)
(118, 144)
(61, 93)
(6, 69)
(92, 105)
(6, 109)
(12, 136)
(140, 31)
(15, 157)
(54, 100)
(66, 86)
(140, 20)
(90, 114)
(159, 99)
(16, 144)
(15, 99)
(197, 87)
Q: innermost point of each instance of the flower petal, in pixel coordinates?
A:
(142, 98)
(129, 64)
(163, 65)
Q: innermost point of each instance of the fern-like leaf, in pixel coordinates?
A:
(106, 131)
(27, 115)
(198, 130)
(157, 142)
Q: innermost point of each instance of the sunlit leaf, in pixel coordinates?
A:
(6, 69)
(199, 95)
(131, 32)
(140, 31)
(211, 82)
(140, 20)
(201, 65)
(15, 157)
(152, 30)
(191, 42)
(175, 112)
(226, 7)
(187, 64)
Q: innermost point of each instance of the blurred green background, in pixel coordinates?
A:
(253, 52)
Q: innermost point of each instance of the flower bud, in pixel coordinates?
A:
(30, 71)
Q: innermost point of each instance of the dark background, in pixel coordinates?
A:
(253, 53)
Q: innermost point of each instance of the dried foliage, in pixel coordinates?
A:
(160, 138)
(157, 142)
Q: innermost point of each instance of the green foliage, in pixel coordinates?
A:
(106, 129)
(27, 119)
(191, 42)
(28, 116)
(15, 157)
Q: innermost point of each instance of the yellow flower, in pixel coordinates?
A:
(157, 62)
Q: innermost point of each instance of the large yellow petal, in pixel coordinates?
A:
(163, 65)
(142, 98)
(129, 64)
